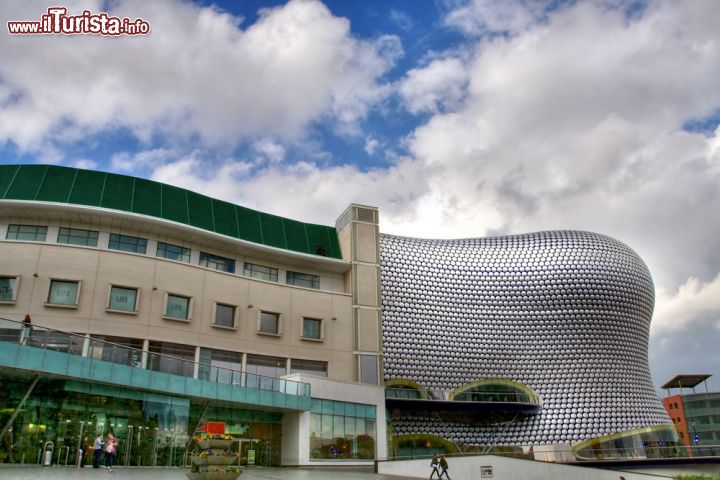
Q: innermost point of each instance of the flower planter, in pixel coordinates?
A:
(214, 443)
(213, 475)
(214, 460)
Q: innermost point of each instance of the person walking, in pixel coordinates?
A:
(97, 450)
(434, 465)
(444, 468)
(26, 329)
(110, 448)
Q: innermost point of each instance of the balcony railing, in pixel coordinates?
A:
(474, 396)
(85, 346)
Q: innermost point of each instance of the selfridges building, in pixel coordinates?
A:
(555, 321)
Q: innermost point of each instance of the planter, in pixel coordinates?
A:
(213, 475)
(214, 460)
(214, 443)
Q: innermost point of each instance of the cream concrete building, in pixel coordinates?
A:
(282, 315)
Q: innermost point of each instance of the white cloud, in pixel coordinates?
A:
(693, 300)
(266, 149)
(479, 17)
(198, 75)
(145, 160)
(301, 190)
(371, 145)
(439, 86)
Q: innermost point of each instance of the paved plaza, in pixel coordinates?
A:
(124, 473)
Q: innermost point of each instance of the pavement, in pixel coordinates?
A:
(129, 473)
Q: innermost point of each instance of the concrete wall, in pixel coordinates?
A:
(503, 468)
(97, 269)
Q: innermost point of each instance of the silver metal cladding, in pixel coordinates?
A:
(566, 313)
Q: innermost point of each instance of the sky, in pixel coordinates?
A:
(457, 118)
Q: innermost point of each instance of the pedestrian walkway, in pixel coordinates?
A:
(128, 473)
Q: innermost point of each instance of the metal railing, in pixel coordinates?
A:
(45, 338)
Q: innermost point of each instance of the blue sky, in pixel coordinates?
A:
(457, 118)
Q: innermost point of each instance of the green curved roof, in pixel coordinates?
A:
(49, 183)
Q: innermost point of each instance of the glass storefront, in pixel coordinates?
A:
(152, 429)
(342, 430)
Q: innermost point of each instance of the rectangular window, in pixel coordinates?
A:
(218, 263)
(260, 272)
(63, 293)
(220, 366)
(125, 351)
(126, 243)
(309, 367)
(177, 307)
(312, 328)
(33, 233)
(123, 299)
(8, 289)
(266, 366)
(303, 280)
(368, 369)
(224, 316)
(269, 323)
(76, 236)
(173, 252)
(172, 358)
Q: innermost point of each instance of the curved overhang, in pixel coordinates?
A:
(511, 397)
(599, 447)
(115, 219)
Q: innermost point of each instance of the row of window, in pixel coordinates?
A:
(124, 299)
(127, 243)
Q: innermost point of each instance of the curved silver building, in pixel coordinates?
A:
(564, 315)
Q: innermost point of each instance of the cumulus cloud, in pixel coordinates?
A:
(479, 17)
(199, 75)
(301, 190)
(439, 86)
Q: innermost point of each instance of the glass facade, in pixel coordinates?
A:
(173, 252)
(63, 292)
(269, 323)
(310, 367)
(126, 243)
(260, 272)
(151, 428)
(303, 280)
(172, 358)
(76, 236)
(34, 233)
(220, 366)
(224, 315)
(123, 299)
(217, 262)
(342, 430)
(312, 328)
(177, 307)
(8, 289)
(260, 370)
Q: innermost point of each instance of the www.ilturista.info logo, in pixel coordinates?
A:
(58, 22)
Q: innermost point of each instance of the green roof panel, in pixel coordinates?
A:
(320, 241)
(118, 192)
(147, 198)
(249, 224)
(7, 173)
(27, 182)
(225, 219)
(272, 230)
(296, 236)
(174, 204)
(56, 185)
(130, 194)
(200, 211)
(88, 188)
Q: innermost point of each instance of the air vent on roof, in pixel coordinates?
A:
(365, 215)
